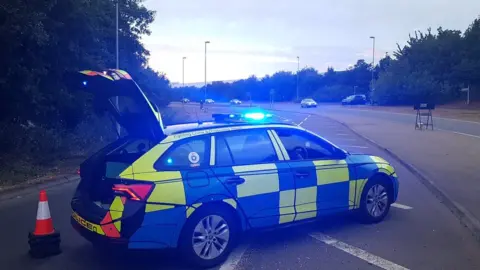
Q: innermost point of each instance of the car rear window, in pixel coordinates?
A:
(184, 154)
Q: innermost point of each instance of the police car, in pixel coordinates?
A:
(198, 186)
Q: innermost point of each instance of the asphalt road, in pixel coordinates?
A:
(467, 128)
(419, 233)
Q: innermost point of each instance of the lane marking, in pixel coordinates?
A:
(346, 139)
(459, 133)
(401, 206)
(234, 258)
(357, 252)
(444, 118)
(304, 120)
(341, 134)
(354, 146)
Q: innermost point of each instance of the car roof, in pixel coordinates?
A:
(179, 129)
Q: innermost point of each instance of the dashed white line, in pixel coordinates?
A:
(234, 258)
(341, 134)
(357, 252)
(401, 206)
(304, 120)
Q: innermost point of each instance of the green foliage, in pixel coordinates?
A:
(430, 67)
(41, 41)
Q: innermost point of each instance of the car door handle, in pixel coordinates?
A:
(302, 174)
(235, 180)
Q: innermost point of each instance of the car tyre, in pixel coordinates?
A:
(377, 192)
(198, 220)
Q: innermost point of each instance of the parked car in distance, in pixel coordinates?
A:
(355, 100)
(235, 102)
(185, 100)
(308, 103)
(209, 101)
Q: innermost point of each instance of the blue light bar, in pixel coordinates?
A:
(247, 117)
(255, 116)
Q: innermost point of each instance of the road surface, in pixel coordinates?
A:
(419, 233)
(467, 128)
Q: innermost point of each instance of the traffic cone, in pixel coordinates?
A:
(44, 240)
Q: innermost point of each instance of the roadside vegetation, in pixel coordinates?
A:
(42, 124)
(433, 66)
(45, 128)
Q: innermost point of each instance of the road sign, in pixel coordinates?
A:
(424, 109)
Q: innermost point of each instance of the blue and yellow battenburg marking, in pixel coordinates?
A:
(270, 195)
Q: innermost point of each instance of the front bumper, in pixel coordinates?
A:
(396, 187)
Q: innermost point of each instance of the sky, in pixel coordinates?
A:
(260, 37)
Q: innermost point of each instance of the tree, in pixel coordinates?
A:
(41, 41)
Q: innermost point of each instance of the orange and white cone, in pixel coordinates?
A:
(44, 224)
(44, 240)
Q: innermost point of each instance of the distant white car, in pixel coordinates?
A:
(209, 101)
(235, 102)
(185, 100)
(308, 103)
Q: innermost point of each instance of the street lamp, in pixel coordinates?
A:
(116, 34)
(373, 62)
(298, 69)
(183, 77)
(183, 71)
(206, 42)
(117, 58)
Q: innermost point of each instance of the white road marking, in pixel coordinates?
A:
(341, 134)
(401, 206)
(357, 252)
(346, 139)
(304, 120)
(234, 258)
(354, 146)
(444, 118)
(459, 133)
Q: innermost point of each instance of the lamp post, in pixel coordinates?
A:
(183, 77)
(206, 42)
(373, 63)
(298, 69)
(117, 60)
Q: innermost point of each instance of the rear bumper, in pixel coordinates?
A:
(96, 238)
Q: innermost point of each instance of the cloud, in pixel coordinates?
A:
(261, 37)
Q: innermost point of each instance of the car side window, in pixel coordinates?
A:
(185, 154)
(303, 146)
(244, 147)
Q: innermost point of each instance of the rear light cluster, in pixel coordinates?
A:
(135, 192)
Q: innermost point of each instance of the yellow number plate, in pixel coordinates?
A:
(88, 225)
